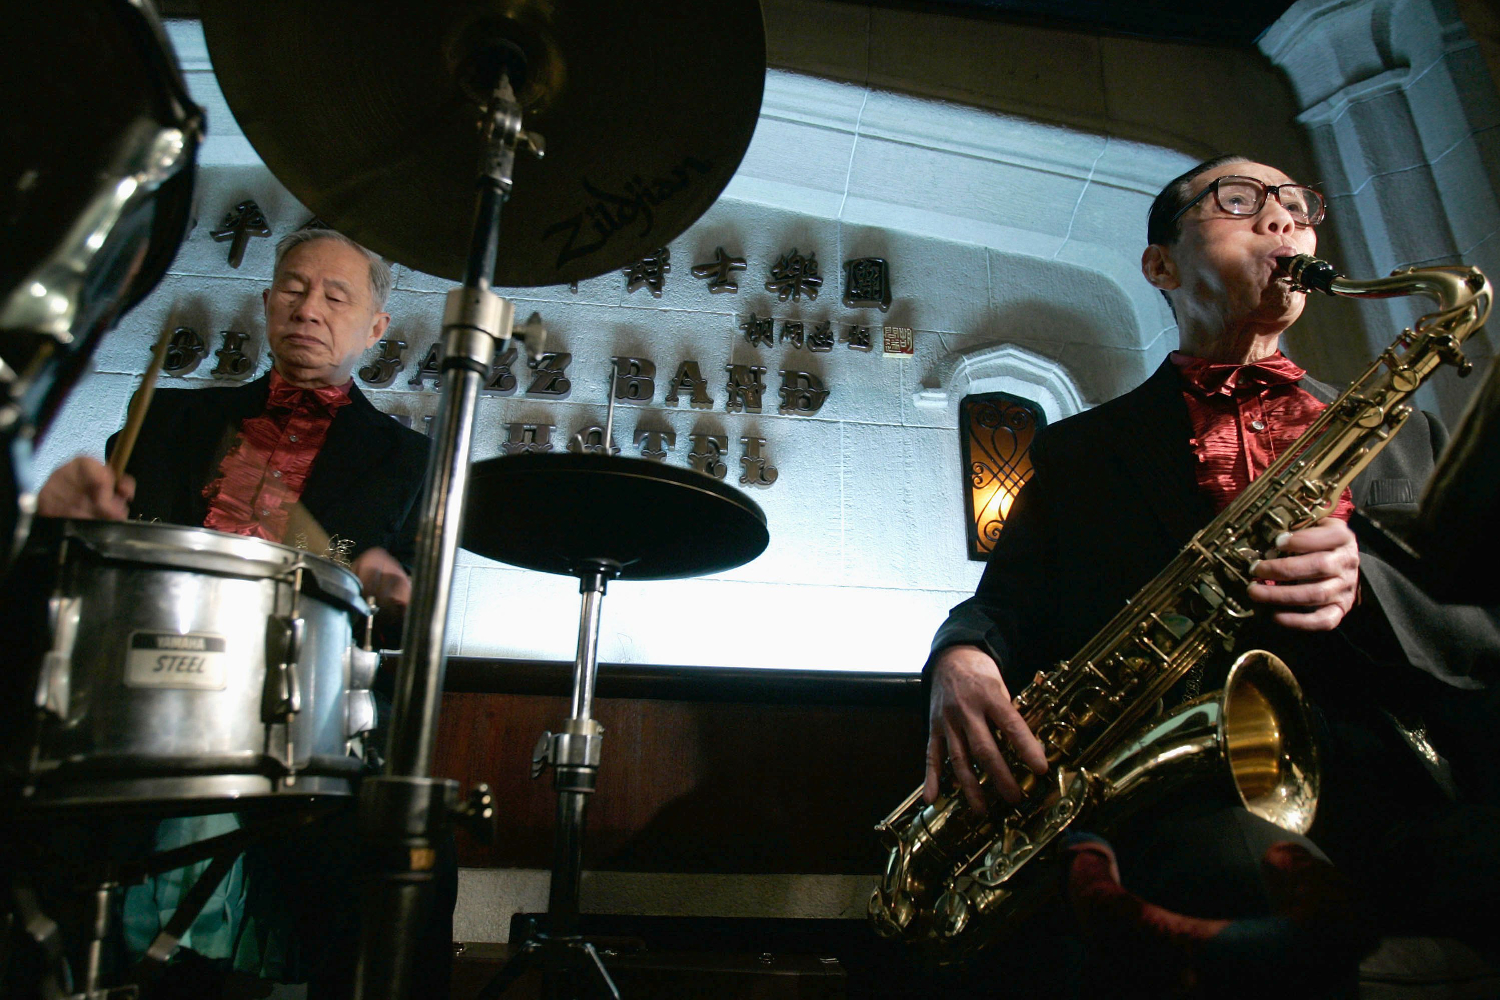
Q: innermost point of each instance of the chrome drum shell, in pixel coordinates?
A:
(160, 686)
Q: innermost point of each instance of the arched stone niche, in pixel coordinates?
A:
(1012, 369)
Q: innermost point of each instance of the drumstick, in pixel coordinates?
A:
(139, 404)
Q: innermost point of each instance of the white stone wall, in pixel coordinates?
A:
(1005, 172)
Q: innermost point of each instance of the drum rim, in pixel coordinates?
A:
(208, 551)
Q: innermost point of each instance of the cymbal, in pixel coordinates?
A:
(555, 512)
(366, 111)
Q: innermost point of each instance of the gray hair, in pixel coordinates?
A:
(380, 271)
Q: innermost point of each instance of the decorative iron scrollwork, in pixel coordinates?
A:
(997, 430)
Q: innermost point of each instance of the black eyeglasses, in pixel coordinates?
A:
(1247, 196)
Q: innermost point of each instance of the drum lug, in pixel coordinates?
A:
(359, 713)
(283, 695)
(359, 703)
(54, 682)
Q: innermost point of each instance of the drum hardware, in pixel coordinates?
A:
(605, 199)
(111, 876)
(248, 647)
(599, 518)
(283, 692)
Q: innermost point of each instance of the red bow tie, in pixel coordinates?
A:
(285, 396)
(1209, 378)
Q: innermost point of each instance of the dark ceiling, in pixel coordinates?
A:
(1239, 23)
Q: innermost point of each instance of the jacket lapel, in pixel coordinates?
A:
(1151, 433)
(355, 446)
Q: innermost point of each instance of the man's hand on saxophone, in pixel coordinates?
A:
(1314, 582)
(969, 704)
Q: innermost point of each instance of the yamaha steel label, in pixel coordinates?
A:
(172, 660)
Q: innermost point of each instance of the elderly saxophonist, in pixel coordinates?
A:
(1397, 681)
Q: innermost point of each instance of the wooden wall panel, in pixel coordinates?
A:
(693, 785)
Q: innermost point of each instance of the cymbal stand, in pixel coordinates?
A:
(404, 811)
(570, 965)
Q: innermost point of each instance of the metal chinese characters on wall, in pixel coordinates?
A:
(719, 272)
(245, 221)
(794, 275)
(867, 283)
(759, 332)
(650, 272)
(858, 338)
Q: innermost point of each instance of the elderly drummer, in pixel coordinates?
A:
(297, 456)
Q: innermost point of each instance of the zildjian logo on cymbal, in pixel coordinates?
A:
(609, 213)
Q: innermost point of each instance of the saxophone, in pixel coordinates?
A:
(957, 878)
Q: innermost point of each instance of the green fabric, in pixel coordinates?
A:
(239, 924)
(148, 907)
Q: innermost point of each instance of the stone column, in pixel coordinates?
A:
(1402, 116)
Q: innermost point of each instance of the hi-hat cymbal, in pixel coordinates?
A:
(366, 110)
(558, 512)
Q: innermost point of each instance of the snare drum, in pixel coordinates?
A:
(184, 670)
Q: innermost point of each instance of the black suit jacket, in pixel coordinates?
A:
(364, 484)
(1114, 498)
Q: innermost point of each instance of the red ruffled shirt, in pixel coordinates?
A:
(1244, 417)
(262, 475)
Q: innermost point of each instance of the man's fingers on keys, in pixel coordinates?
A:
(963, 770)
(934, 766)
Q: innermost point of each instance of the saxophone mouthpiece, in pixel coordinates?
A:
(1307, 273)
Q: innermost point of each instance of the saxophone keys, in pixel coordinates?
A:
(951, 913)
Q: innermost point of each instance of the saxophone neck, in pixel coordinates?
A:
(1449, 287)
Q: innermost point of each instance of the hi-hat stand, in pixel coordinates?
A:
(570, 965)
